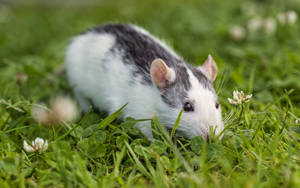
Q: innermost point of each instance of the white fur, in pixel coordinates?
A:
(198, 122)
(172, 75)
(205, 112)
(97, 74)
(101, 76)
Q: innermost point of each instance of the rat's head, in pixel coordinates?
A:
(190, 89)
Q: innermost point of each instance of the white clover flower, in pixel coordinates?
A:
(287, 18)
(237, 32)
(254, 24)
(64, 109)
(61, 109)
(239, 98)
(282, 18)
(291, 17)
(38, 145)
(269, 25)
(40, 113)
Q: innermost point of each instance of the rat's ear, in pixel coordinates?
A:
(161, 74)
(209, 68)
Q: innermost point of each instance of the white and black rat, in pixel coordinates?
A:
(115, 64)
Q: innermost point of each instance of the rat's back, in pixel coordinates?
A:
(109, 65)
(115, 64)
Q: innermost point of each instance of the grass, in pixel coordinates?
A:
(260, 146)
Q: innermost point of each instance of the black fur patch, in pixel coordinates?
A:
(176, 94)
(202, 78)
(141, 50)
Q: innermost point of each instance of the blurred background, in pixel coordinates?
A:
(255, 43)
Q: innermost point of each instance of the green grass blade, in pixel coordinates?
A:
(111, 118)
(176, 123)
(138, 163)
(175, 149)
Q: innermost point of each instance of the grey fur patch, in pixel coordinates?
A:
(176, 94)
(140, 49)
(202, 78)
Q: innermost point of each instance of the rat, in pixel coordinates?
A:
(114, 64)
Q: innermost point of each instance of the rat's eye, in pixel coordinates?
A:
(217, 105)
(188, 107)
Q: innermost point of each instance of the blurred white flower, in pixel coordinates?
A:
(38, 145)
(237, 32)
(21, 78)
(254, 24)
(41, 114)
(239, 98)
(61, 109)
(64, 109)
(297, 121)
(269, 25)
(287, 18)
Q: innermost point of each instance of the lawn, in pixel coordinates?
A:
(261, 142)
